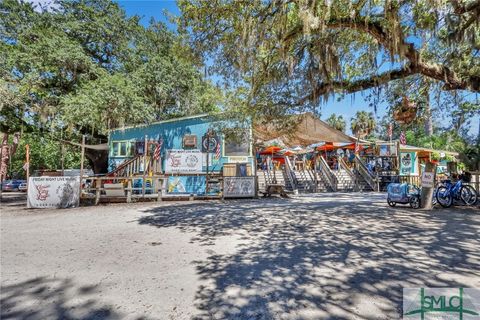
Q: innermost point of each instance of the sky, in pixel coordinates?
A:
(347, 107)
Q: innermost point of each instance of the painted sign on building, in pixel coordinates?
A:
(183, 161)
(186, 185)
(53, 192)
(408, 163)
(236, 187)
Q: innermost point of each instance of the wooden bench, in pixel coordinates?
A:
(275, 189)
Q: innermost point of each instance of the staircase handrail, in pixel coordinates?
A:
(344, 166)
(327, 173)
(122, 166)
(291, 177)
(363, 170)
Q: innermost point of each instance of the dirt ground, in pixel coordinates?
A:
(326, 256)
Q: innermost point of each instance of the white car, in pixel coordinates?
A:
(23, 187)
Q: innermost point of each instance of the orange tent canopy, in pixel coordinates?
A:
(270, 150)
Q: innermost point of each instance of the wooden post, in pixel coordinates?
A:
(208, 153)
(129, 191)
(82, 158)
(62, 150)
(98, 190)
(145, 155)
(426, 195)
(27, 159)
(159, 189)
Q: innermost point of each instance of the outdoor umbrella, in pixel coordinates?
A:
(270, 150)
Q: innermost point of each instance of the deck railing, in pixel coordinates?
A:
(362, 169)
(327, 174)
(134, 188)
(289, 173)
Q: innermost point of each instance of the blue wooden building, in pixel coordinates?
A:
(181, 149)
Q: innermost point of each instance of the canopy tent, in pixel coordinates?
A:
(335, 145)
(303, 130)
(270, 150)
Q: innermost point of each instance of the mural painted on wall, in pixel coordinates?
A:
(186, 185)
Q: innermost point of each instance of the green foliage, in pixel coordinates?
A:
(337, 122)
(45, 153)
(292, 55)
(363, 124)
(84, 67)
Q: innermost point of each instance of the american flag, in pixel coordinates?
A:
(156, 153)
(390, 130)
(403, 138)
(217, 150)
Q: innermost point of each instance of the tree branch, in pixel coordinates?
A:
(460, 8)
(359, 85)
(403, 49)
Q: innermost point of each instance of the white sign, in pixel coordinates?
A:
(427, 179)
(237, 159)
(184, 161)
(53, 192)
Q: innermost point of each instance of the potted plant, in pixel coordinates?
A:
(435, 157)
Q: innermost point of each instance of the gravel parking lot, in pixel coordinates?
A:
(325, 256)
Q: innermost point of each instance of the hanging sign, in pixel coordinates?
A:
(53, 192)
(427, 179)
(209, 144)
(408, 163)
(183, 161)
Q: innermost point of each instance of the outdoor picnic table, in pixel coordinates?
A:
(275, 189)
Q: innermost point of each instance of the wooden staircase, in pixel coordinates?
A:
(134, 166)
(366, 181)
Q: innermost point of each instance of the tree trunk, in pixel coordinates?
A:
(4, 155)
(426, 195)
(98, 160)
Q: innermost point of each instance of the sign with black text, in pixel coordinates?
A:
(53, 192)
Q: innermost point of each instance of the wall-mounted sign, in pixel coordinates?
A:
(189, 141)
(236, 187)
(183, 161)
(427, 179)
(53, 192)
(237, 159)
(186, 185)
(210, 144)
(408, 163)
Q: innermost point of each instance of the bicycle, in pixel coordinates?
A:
(448, 191)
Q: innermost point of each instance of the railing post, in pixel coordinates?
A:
(129, 191)
(159, 189)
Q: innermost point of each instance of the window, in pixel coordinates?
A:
(237, 144)
(122, 149)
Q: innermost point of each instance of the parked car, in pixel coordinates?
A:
(12, 185)
(22, 187)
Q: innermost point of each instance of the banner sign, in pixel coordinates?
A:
(236, 187)
(427, 179)
(183, 161)
(53, 192)
(186, 185)
(408, 163)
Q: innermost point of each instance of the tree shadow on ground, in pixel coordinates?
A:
(52, 298)
(315, 258)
